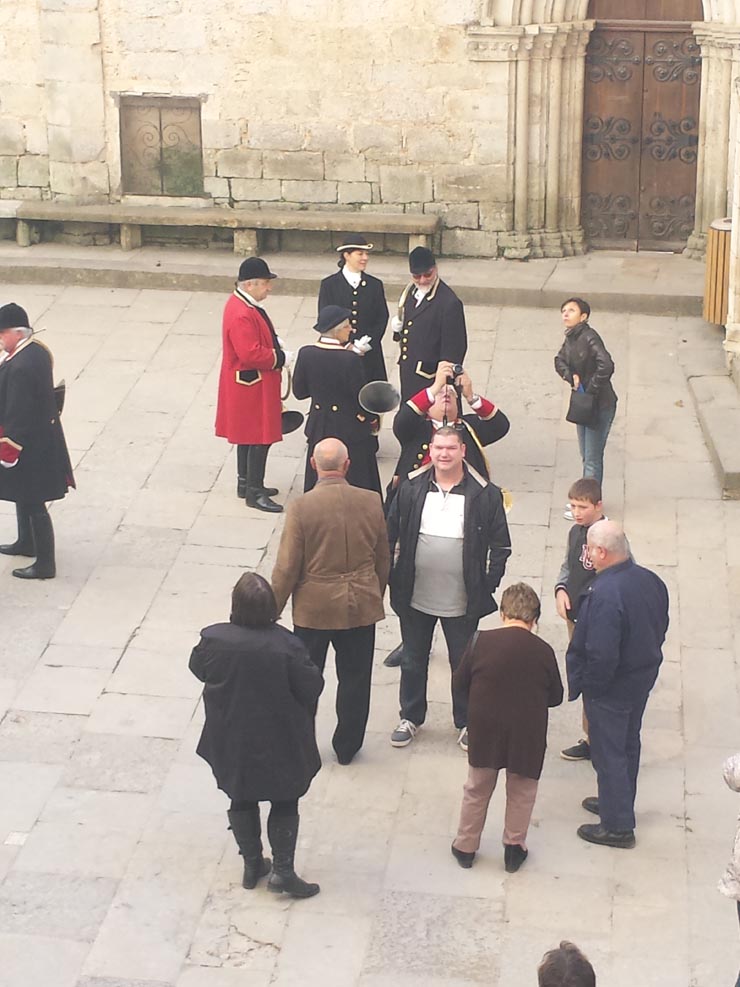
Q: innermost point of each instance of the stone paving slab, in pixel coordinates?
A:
(116, 866)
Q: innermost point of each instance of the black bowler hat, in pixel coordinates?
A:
(353, 241)
(12, 316)
(421, 260)
(253, 269)
(332, 316)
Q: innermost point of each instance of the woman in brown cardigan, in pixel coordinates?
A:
(511, 677)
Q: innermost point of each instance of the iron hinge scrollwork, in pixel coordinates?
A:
(608, 216)
(611, 59)
(609, 138)
(671, 139)
(675, 61)
(670, 219)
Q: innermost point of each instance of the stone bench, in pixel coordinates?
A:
(245, 222)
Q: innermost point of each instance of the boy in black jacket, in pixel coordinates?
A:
(576, 573)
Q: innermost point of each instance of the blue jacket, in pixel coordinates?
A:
(622, 623)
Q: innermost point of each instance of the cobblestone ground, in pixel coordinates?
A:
(116, 866)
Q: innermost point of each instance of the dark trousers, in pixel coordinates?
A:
(277, 809)
(250, 464)
(614, 735)
(417, 630)
(353, 650)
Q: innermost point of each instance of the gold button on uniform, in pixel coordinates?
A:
(425, 446)
(334, 408)
(420, 456)
(410, 322)
(317, 407)
(404, 358)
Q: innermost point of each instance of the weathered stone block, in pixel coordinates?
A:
(89, 179)
(130, 236)
(245, 242)
(278, 136)
(240, 162)
(469, 243)
(491, 143)
(470, 184)
(327, 137)
(37, 139)
(20, 193)
(71, 27)
(344, 167)
(496, 216)
(77, 64)
(464, 214)
(33, 169)
(11, 137)
(306, 165)
(65, 5)
(438, 145)
(354, 192)
(75, 144)
(8, 171)
(376, 140)
(220, 134)
(249, 189)
(217, 187)
(310, 191)
(22, 101)
(405, 183)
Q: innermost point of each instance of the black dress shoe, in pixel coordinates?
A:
(36, 571)
(514, 857)
(591, 804)
(593, 833)
(464, 859)
(260, 501)
(394, 658)
(270, 491)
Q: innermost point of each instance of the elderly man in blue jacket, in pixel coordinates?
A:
(613, 662)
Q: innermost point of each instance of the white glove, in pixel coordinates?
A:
(362, 345)
(289, 358)
(396, 324)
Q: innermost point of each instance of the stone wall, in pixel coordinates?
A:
(396, 105)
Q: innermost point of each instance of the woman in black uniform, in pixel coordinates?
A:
(363, 295)
(331, 376)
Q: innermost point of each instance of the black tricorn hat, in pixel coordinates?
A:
(253, 269)
(331, 316)
(421, 259)
(12, 316)
(353, 241)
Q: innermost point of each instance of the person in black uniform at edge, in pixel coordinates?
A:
(34, 462)
(430, 325)
(363, 295)
(420, 417)
(330, 373)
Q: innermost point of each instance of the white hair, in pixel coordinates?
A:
(609, 536)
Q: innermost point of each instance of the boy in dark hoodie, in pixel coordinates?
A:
(576, 573)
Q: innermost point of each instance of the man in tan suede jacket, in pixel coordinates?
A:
(334, 560)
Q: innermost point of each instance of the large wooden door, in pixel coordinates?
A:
(641, 133)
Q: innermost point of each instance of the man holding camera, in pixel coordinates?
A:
(430, 325)
(449, 545)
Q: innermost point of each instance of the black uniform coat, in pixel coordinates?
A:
(259, 695)
(332, 377)
(486, 541)
(30, 423)
(369, 314)
(432, 331)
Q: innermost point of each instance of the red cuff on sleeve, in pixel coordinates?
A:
(420, 402)
(487, 409)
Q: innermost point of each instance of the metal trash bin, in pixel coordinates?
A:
(717, 282)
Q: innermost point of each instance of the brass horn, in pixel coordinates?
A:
(379, 397)
(289, 420)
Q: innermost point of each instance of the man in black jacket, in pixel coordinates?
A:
(430, 325)
(449, 546)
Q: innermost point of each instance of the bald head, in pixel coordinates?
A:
(607, 544)
(330, 456)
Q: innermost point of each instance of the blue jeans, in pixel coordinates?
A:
(614, 735)
(592, 441)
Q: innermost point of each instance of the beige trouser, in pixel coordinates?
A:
(477, 791)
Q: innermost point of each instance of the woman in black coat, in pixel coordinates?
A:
(34, 462)
(584, 362)
(260, 697)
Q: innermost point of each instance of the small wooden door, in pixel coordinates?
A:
(641, 125)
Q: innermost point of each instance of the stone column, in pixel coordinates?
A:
(73, 76)
(732, 329)
(545, 132)
(720, 48)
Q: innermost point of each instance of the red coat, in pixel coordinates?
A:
(249, 406)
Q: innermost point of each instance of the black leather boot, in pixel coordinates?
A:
(24, 544)
(283, 834)
(242, 453)
(247, 831)
(44, 567)
(258, 496)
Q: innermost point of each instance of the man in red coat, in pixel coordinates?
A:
(249, 408)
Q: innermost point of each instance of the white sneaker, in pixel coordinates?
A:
(462, 740)
(568, 513)
(403, 734)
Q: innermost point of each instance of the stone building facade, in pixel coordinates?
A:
(470, 109)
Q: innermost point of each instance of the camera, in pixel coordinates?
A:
(456, 371)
